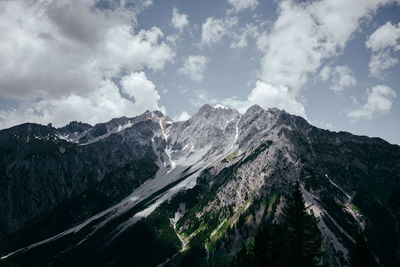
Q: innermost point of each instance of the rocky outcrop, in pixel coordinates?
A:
(43, 167)
(229, 171)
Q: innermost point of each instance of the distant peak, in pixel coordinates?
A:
(274, 110)
(254, 108)
(205, 107)
(158, 113)
(221, 106)
(154, 113)
(147, 113)
(77, 123)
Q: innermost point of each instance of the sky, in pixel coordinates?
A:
(333, 62)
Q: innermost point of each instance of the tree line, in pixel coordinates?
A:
(296, 241)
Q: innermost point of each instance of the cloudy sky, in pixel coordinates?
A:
(334, 62)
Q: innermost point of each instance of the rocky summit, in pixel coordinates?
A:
(147, 191)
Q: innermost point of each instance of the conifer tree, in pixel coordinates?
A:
(304, 238)
(262, 247)
(294, 243)
(243, 258)
(361, 255)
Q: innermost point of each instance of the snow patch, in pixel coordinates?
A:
(338, 187)
(236, 137)
(163, 131)
(123, 127)
(179, 160)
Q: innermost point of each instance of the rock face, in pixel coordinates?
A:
(217, 171)
(42, 167)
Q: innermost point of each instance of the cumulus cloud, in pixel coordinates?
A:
(182, 117)
(239, 5)
(102, 104)
(342, 77)
(194, 67)
(264, 95)
(179, 20)
(379, 101)
(387, 35)
(214, 29)
(384, 42)
(307, 33)
(66, 51)
(138, 87)
(325, 73)
(249, 30)
(381, 61)
(267, 96)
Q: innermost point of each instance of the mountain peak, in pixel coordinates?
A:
(219, 165)
(254, 108)
(219, 106)
(205, 108)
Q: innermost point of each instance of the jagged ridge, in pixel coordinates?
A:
(219, 165)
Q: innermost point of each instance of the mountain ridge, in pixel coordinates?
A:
(227, 160)
(78, 126)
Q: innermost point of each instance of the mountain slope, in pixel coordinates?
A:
(173, 188)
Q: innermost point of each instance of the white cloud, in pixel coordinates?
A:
(268, 96)
(249, 30)
(214, 29)
(183, 116)
(381, 61)
(66, 51)
(194, 67)
(102, 104)
(325, 73)
(239, 5)
(264, 95)
(307, 33)
(383, 43)
(179, 20)
(379, 101)
(388, 35)
(202, 97)
(342, 77)
(124, 50)
(138, 87)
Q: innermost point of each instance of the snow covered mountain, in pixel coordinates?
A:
(141, 191)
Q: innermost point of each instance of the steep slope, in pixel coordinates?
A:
(208, 183)
(41, 171)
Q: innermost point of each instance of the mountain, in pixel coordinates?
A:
(145, 191)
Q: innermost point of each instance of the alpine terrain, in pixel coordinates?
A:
(147, 191)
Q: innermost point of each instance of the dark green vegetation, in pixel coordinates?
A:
(361, 254)
(370, 171)
(48, 181)
(296, 241)
(243, 209)
(112, 189)
(258, 151)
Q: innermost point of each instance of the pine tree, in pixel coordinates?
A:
(243, 258)
(279, 254)
(294, 243)
(361, 255)
(304, 238)
(262, 247)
